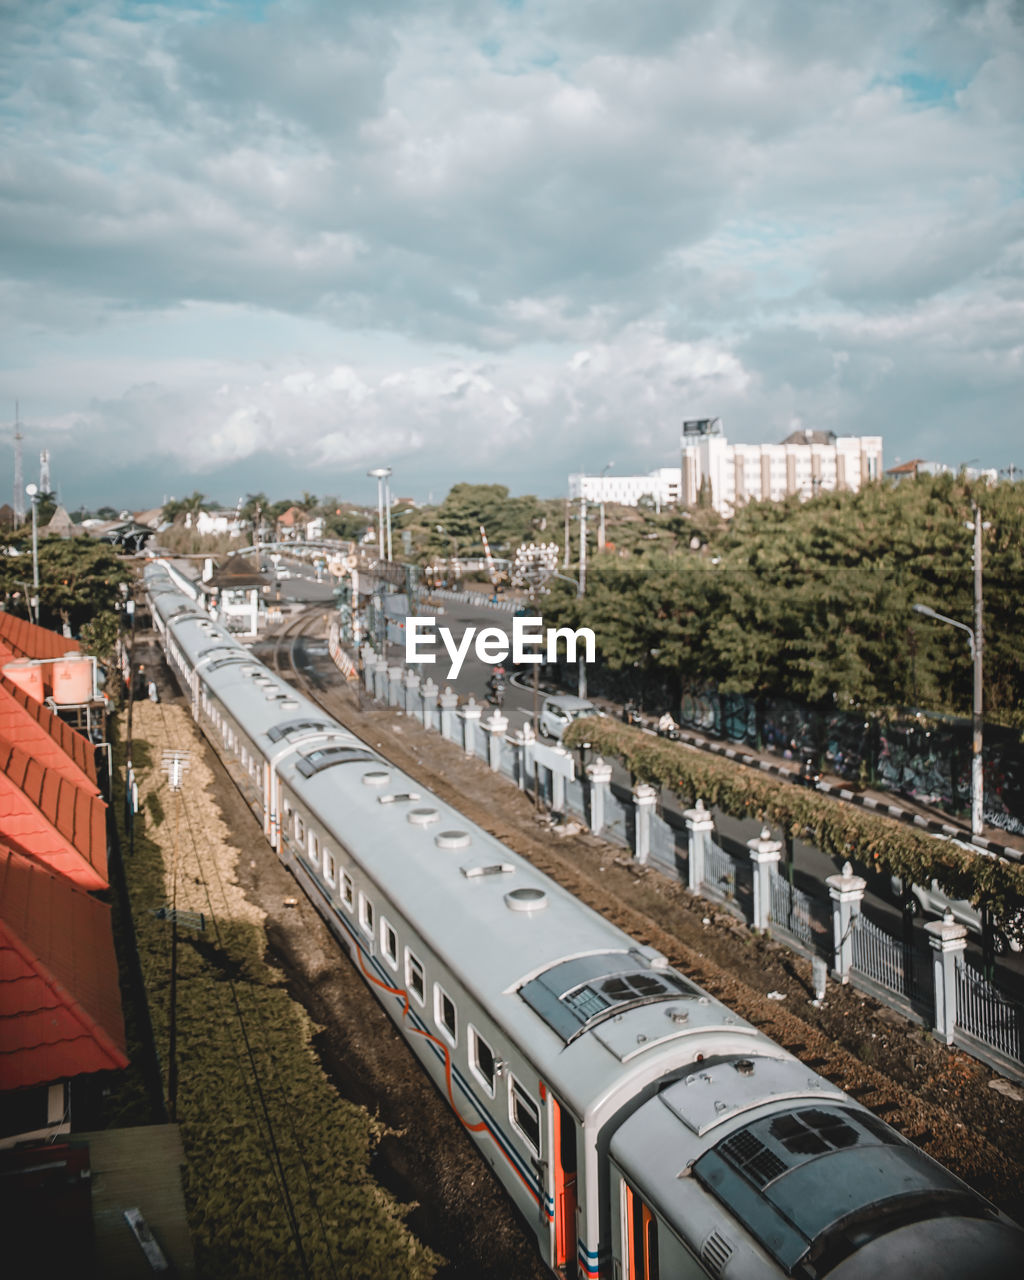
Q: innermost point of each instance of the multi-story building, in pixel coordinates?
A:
(806, 463)
(661, 486)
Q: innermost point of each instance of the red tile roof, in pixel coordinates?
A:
(52, 821)
(60, 1004)
(29, 641)
(46, 737)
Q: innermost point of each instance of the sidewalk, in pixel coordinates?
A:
(927, 817)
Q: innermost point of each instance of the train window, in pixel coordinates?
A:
(366, 914)
(414, 977)
(444, 1013)
(481, 1060)
(524, 1114)
(314, 849)
(300, 829)
(347, 895)
(329, 867)
(389, 943)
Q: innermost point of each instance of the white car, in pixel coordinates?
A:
(558, 713)
(934, 901)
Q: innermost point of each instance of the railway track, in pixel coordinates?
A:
(659, 913)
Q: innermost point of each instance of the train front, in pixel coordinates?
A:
(754, 1167)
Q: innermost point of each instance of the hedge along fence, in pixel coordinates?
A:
(837, 828)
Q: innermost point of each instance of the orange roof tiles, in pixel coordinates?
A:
(29, 641)
(60, 1004)
(48, 818)
(34, 728)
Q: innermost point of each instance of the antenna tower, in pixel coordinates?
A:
(19, 479)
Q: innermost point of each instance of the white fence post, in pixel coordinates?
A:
(764, 854)
(645, 797)
(369, 659)
(412, 691)
(380, 678)
(847, 893)
(558, 781)
(449, 704)
(395, 686)
(496, 726)
(699, 825)
(600, 775)
(470, 716)
(948, 942)
(428, 701)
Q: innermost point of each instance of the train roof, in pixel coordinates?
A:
(810, 1174)
(594, 1006)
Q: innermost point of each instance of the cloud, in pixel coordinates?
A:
(399, 224)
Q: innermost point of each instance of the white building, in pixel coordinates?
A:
(661, 486)
(806, 463)
(215, 522)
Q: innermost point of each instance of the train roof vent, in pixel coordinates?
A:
(327, 757)
(376, 778)
(453, 839)
(495, 869)
(395, 797)
(715, 1252)
(576, 995)
(287, 727)
(230, 660)
(422, 817)
(526, 900)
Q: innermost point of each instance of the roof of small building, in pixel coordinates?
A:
(31, 725)
(236, 572)
(292, 516)
(906, 468)
(48, 818)
(60, 1003)
(61, 525)
(27, 640)
(807, 436)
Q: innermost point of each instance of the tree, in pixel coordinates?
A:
(79, 579)
(177, 510)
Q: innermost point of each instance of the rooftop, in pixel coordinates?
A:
(60, 1004)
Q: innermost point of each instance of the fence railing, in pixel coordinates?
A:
(987, 1015)
(719, 871)
(790, 909)
(884, 959)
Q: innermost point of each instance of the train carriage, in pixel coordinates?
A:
(597, 1081)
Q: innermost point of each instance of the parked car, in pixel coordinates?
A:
(558, 713)
(934, 901)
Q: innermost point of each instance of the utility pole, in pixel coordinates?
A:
(582, 588)
(19, 480)
(977, 772)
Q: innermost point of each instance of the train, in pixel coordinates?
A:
(643, 1129)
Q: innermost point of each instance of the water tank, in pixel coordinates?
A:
(72, 679)
(27, 675)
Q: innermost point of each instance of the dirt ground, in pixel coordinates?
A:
(939, 1098)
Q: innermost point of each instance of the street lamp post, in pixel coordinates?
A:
(33, 493)
(600, 535)
(380, 474)
(975, 638)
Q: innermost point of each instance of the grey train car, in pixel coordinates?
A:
(641, 1127)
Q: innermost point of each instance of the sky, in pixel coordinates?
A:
(266, 245)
